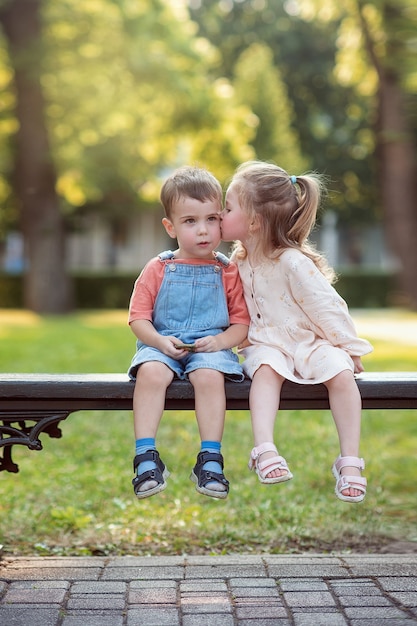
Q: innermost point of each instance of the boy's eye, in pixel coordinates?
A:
(213, 218)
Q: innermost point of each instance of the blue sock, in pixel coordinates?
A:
(212, 446)
(142, 445)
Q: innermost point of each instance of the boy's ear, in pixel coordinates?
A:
(169, 227)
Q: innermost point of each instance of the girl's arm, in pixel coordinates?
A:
(231, 337)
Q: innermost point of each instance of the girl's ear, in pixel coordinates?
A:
(169, 227)
(255, 223)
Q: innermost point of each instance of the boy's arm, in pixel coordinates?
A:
(146, 333)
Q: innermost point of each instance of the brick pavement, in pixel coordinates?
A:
(236, 590)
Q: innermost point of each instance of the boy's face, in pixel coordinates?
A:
(196, 226)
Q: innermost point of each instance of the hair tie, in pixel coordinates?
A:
(293, 179)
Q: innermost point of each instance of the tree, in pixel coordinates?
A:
(395, 144)
(110, 95)
(258, 84)
(46, 286)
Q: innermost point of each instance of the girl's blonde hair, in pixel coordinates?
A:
(284, 208)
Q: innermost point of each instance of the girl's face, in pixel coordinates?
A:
(235, 222)
(196, 226)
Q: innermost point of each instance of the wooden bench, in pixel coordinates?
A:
(32, 404)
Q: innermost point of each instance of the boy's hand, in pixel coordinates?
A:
(168, 345)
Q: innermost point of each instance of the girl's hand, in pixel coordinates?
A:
(357, 362)
(245, 344)
(211, 343)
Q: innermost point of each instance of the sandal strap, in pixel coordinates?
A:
(205, 456)
(257, 451)
(354, 482)
(349, 461)
(206, 476)
(149, 455)
(275, 462)
(157, 473)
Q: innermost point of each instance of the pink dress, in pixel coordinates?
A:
(300, 325)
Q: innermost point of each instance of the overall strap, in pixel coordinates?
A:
(166, 256)
(222, 258)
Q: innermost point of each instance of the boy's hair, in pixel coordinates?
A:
(285, 207)
(190, 182)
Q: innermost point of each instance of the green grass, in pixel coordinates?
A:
(75, 496)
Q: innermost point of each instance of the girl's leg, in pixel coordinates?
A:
(210, 409)
(152, 381)
(345, 404)
(264, 398)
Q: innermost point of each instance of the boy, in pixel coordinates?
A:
(187, 311)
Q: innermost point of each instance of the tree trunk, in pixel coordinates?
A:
(398, 174)
(397, 167)
(47, 287)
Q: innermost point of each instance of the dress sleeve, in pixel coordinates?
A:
(324, 307)
(145, 290)
(238, 312)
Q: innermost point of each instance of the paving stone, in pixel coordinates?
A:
(92, 619)
(209, 619)
(307, 584)
(312, 598)
(98, 602)
(362, 600)
(98, 586)
(52, 573)
(406, 598)
(252, 582)
(145, 573)
(210, 586)
(296, 570)
(32, 595)
(374, 612)
(261, 612)
(206, 604)
(153, 617)
(153, 596)
(225, 571)
(15, 616)
(255, 592)
(316, 619)
(399, 583)
(263, 621)
(150, 584)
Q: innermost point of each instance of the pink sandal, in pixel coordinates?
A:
(265, 468)
(344, 482)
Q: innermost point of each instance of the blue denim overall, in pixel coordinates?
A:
(191, 303)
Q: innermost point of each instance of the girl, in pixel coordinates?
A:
(300, 327)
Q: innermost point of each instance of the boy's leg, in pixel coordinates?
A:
(345, 404)
(152, 381)
(210, 409)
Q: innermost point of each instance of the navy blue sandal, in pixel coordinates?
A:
(159, 474)
(202, 477)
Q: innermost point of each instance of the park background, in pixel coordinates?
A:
(99, 101)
